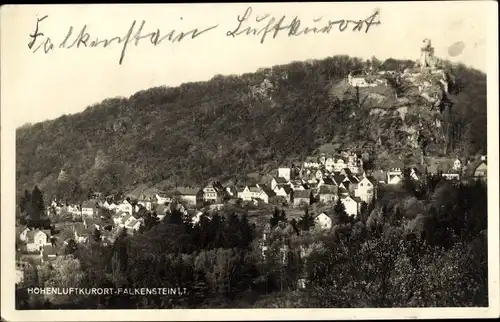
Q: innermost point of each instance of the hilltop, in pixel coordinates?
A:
(233, 125)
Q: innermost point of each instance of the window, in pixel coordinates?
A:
(361, 184)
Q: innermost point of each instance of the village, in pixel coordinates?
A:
(323, 179)
(320, 179)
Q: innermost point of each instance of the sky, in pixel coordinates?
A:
(38, 86)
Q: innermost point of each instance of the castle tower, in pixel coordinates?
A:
(426, 54)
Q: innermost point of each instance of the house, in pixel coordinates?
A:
(192, 196)
(112, 206)
(457, 165)
(74, 210)
(297, 185)
(322, 158)
(284, 173)
(329, 164)
(249, 192)
(48, 253)
(350, 181)
(416, 173)
(354, 163)
(125, 206)
(161, 199)
(322, 221)
(81, 233)
(130, 222)
(343, 191)
(327, 193)
(146, 202)
(311, 162)
(92, 223)
(284, 191)
(394, 176)
(451, 175)
(266, 193)
(89, 208)
(213, 192)
(196, 215)
(365, 189)
(22, 232)
(279, 181)
(349, 174)
(351, 204)
(338, 179)
(339, 165)
(327, 181)
(36, 239)
(301, 197)
(480, 171)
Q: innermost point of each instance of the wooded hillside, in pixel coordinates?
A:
(232, 125)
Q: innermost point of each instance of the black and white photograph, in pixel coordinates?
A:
(264, 157)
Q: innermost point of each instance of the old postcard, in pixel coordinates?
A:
(288, 160)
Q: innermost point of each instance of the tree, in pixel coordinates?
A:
(25, 200)
(397, 84)
(37, 200)
(150, 220)
(35, 211)
(306, 221)
(278, 216)
(71, 247)
(340, 215)
(96, 235)
(66, 272)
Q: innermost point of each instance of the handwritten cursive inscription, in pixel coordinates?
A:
(133, 36)
(247, 25)
(269, 24)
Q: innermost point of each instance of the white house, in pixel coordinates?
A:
(283, 191)
(89, 208)
(451, 175)
(339, 165)
(394, 176)
(81, 232)
(365, 190)
(329, 164)
(196, 216)
(48, 253)
(23, 233)
(250, 192)
(112, 206)
(162, 199)
(323, 221)
(146, 204)
(130, 222)
(125, 206)
(457, 165)
(284, 173)
(74, 210)
(311, 162)
(351, 205)
(36, 239)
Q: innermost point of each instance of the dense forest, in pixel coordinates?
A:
(232, 125)
(420, 245)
